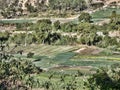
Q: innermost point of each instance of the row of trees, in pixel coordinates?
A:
(46, 32)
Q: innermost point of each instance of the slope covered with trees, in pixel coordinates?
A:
(59, 53)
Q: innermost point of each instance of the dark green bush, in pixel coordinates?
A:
(30, 55)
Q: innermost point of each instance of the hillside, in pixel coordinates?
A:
(59, 45)
(32, 2)
(22, 3)
(46, 2)
(18, 8)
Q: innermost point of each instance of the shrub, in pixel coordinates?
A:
(57, 25)
(30, 55)
(105, 79)
(15, 73)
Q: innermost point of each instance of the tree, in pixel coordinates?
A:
(88, 34)
(44, 34)
(14, 72)
(105, 79)
(10, 9)
(30, 8)
(85, 17)
(69, 27)
(67, 5)
(57, 24)
(113, 16)
(52, 38)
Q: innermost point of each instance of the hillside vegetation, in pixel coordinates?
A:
(60, 45)
(62, 8)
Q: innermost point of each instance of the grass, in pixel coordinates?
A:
(17, 21)
(57, 83)
(52, 56)
(89, 63)
(52, 62)
(48, 57)
(104, 13)
(61, 60)
(98, 57)
(46, 50)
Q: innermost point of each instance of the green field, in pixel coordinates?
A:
(104, 13)
(51, 56)
(17, 21)
(62, 60)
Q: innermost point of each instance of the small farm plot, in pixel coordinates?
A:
(63, 59)
(56, 60)
(46, 50)
(103, 14)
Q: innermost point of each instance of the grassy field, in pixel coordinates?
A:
(17, 21)
(105, 13)
(61, 60)
(55, 56)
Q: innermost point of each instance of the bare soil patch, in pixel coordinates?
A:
(89, 50)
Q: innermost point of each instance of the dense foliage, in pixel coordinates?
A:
(47, 32)
(105, 79)
(68, 5)
(15, 73)
(20, 71)
(85, 17)
(15, 8)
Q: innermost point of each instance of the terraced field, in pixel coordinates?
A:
(47, 50)
(62, 58)
(57, 61)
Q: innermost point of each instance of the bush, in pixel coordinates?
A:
(85, 17)
(15, 73)
(57, 24)
(30, 55)
(105, 79)
(69, 27)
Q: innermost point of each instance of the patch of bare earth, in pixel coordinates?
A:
(89, 50)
